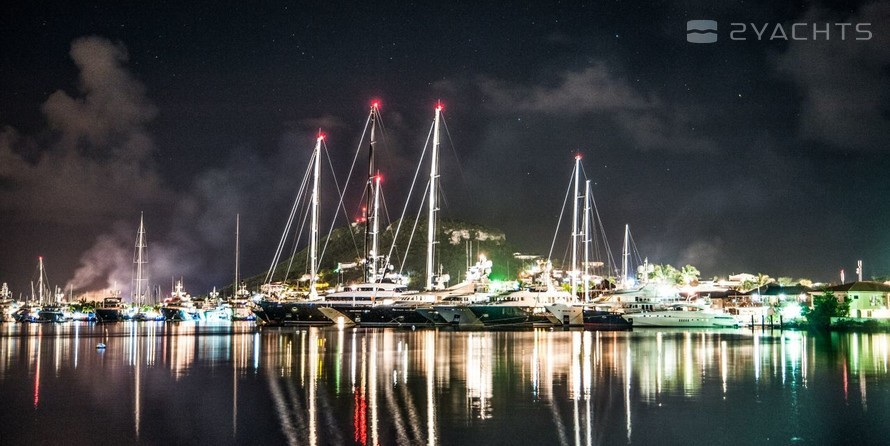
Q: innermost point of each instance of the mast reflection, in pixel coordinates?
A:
(395, 386)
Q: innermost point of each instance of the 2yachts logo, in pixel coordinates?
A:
(705, 31)
(701, 31)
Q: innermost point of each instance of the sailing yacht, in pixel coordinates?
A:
(544, 303)
(277, 311)
(51, 308)
(381, 301)
(383, 298)
(239, 305)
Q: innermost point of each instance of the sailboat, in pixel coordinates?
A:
(361, 302)
(382, 302)
(610, 315)
(278, 311)
(112, 308)
(542, 304)
(51, 309)
(239, 304)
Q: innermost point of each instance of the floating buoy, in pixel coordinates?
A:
(101, 345)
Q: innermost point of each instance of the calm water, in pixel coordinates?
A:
(183, 383)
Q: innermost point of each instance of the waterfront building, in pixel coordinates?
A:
(867, 299)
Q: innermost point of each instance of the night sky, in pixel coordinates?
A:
(759, 156)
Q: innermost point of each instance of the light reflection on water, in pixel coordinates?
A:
(235, 384)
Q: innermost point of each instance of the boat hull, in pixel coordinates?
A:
(382, 315)
(504, 315)
(605, 320)
(565, 315)
(279, 313)
(180, 314)
(109, 314)
(681, 319)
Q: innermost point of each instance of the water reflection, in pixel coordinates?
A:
(235, 384)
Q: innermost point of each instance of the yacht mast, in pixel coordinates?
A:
(313, 235)
(586, 241)
(40, 285)
(139, 283)
(575, 234)
(625, 255)
(433, 204)
(237, 253)
(372, 207)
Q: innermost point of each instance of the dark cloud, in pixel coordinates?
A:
(96, 174)
(648, 121)
(97, 162)
(846, 96)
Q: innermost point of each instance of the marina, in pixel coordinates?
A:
(213, 383)
(379, 224)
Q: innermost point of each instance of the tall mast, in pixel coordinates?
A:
(372, 207)
(433, 204)
(575, 234)
(625, 255)
(313, 237)
(40, 285)
(586, 241)
(139, 283)
(237, 253)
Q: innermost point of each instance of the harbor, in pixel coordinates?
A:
(214, 383)
(449, 223)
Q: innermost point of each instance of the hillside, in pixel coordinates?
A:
(345, 245)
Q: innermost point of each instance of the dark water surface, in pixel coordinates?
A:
(188, 383)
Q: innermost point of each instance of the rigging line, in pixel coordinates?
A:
(457, 158)
(416, 222)
(298, 235)
(408, 200)
(634, 249)
(340, 205)
(283, 241)
(611, 258)
(561, 212)
(389, 228)
(300, 192)
(346, 185)
(596, 210)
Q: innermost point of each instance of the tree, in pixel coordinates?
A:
(825, 307)
(689, 275)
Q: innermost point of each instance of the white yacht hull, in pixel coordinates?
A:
(566, 315)
(681, 319)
